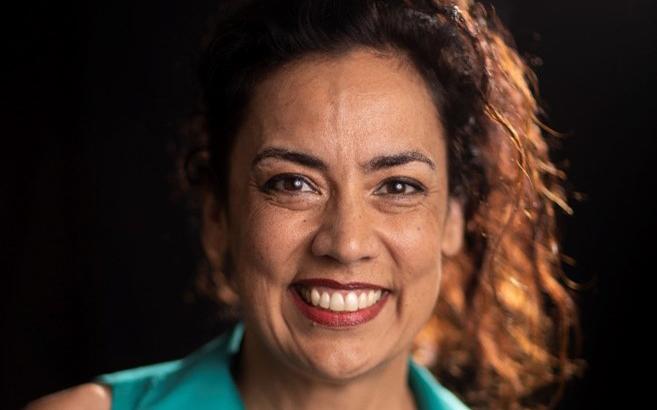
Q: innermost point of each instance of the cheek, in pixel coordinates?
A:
(414, 242)
(270, 244)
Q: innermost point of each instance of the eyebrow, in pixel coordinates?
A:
(377, 163)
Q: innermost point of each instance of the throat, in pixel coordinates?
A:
(264, 383)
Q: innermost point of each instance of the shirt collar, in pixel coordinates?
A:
(428, 393)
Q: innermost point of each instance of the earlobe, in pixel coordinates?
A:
(213, 229)
(453, 231)
(214, 238)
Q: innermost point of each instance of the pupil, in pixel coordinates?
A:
(399, 187)
(296, 183)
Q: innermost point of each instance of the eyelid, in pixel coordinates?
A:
(268, 186)
(419, 188)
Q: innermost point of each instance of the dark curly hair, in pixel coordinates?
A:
(501, 335)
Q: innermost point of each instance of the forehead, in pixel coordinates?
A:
(359, 103)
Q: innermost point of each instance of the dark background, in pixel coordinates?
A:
(98, 253)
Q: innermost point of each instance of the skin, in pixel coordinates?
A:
(340, 222)
(88, 396)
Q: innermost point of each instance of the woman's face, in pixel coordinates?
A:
(339, 213)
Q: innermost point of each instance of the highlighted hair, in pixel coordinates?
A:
(505, 328)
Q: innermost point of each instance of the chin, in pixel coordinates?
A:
(338, 358)
(338, 351)
(339, 366)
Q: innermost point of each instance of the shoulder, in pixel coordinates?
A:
(204, 373)
(90, 396)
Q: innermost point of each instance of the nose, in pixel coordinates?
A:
(346, 233)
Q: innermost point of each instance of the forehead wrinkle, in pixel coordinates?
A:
(280, 89)
(338, 121)
(354, 105)
(320, 100)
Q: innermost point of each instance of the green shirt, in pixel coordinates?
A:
(203, 381)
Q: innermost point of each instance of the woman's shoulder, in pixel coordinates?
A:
(166, 385)
(112, 390)
(169, 385)
(91, 396)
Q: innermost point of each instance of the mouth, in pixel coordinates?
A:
(337, 305)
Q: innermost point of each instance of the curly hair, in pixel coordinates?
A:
(505, 332)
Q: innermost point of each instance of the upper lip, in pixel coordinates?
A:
(330, 283)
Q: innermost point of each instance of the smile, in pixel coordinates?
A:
(333, 304)
(339, 301)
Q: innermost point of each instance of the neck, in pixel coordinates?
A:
(265, 382)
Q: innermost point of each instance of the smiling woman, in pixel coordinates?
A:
(376, 197)
(360, 221)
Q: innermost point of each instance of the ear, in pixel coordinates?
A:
(453, 229)
(213, 230)
(214, 239)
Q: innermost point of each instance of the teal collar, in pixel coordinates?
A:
(428, 393)
(204, 379)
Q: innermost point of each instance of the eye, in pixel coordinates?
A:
(290, 183)
(400, 187)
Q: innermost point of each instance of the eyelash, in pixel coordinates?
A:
(269, 185)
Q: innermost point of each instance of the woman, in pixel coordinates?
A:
(377, 197)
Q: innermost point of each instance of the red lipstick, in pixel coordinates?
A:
(331, 318)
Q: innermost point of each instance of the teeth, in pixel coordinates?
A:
(314, 297)
(325, 300)
(351, 302)
(339, 301)
(362, 301)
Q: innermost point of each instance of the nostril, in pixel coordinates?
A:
(344, 247)
(346, 234)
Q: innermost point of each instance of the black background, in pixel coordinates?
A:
(98, 253)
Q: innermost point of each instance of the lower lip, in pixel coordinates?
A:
(337, 319)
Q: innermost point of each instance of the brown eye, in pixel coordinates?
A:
(288, 183)
(401, 187)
